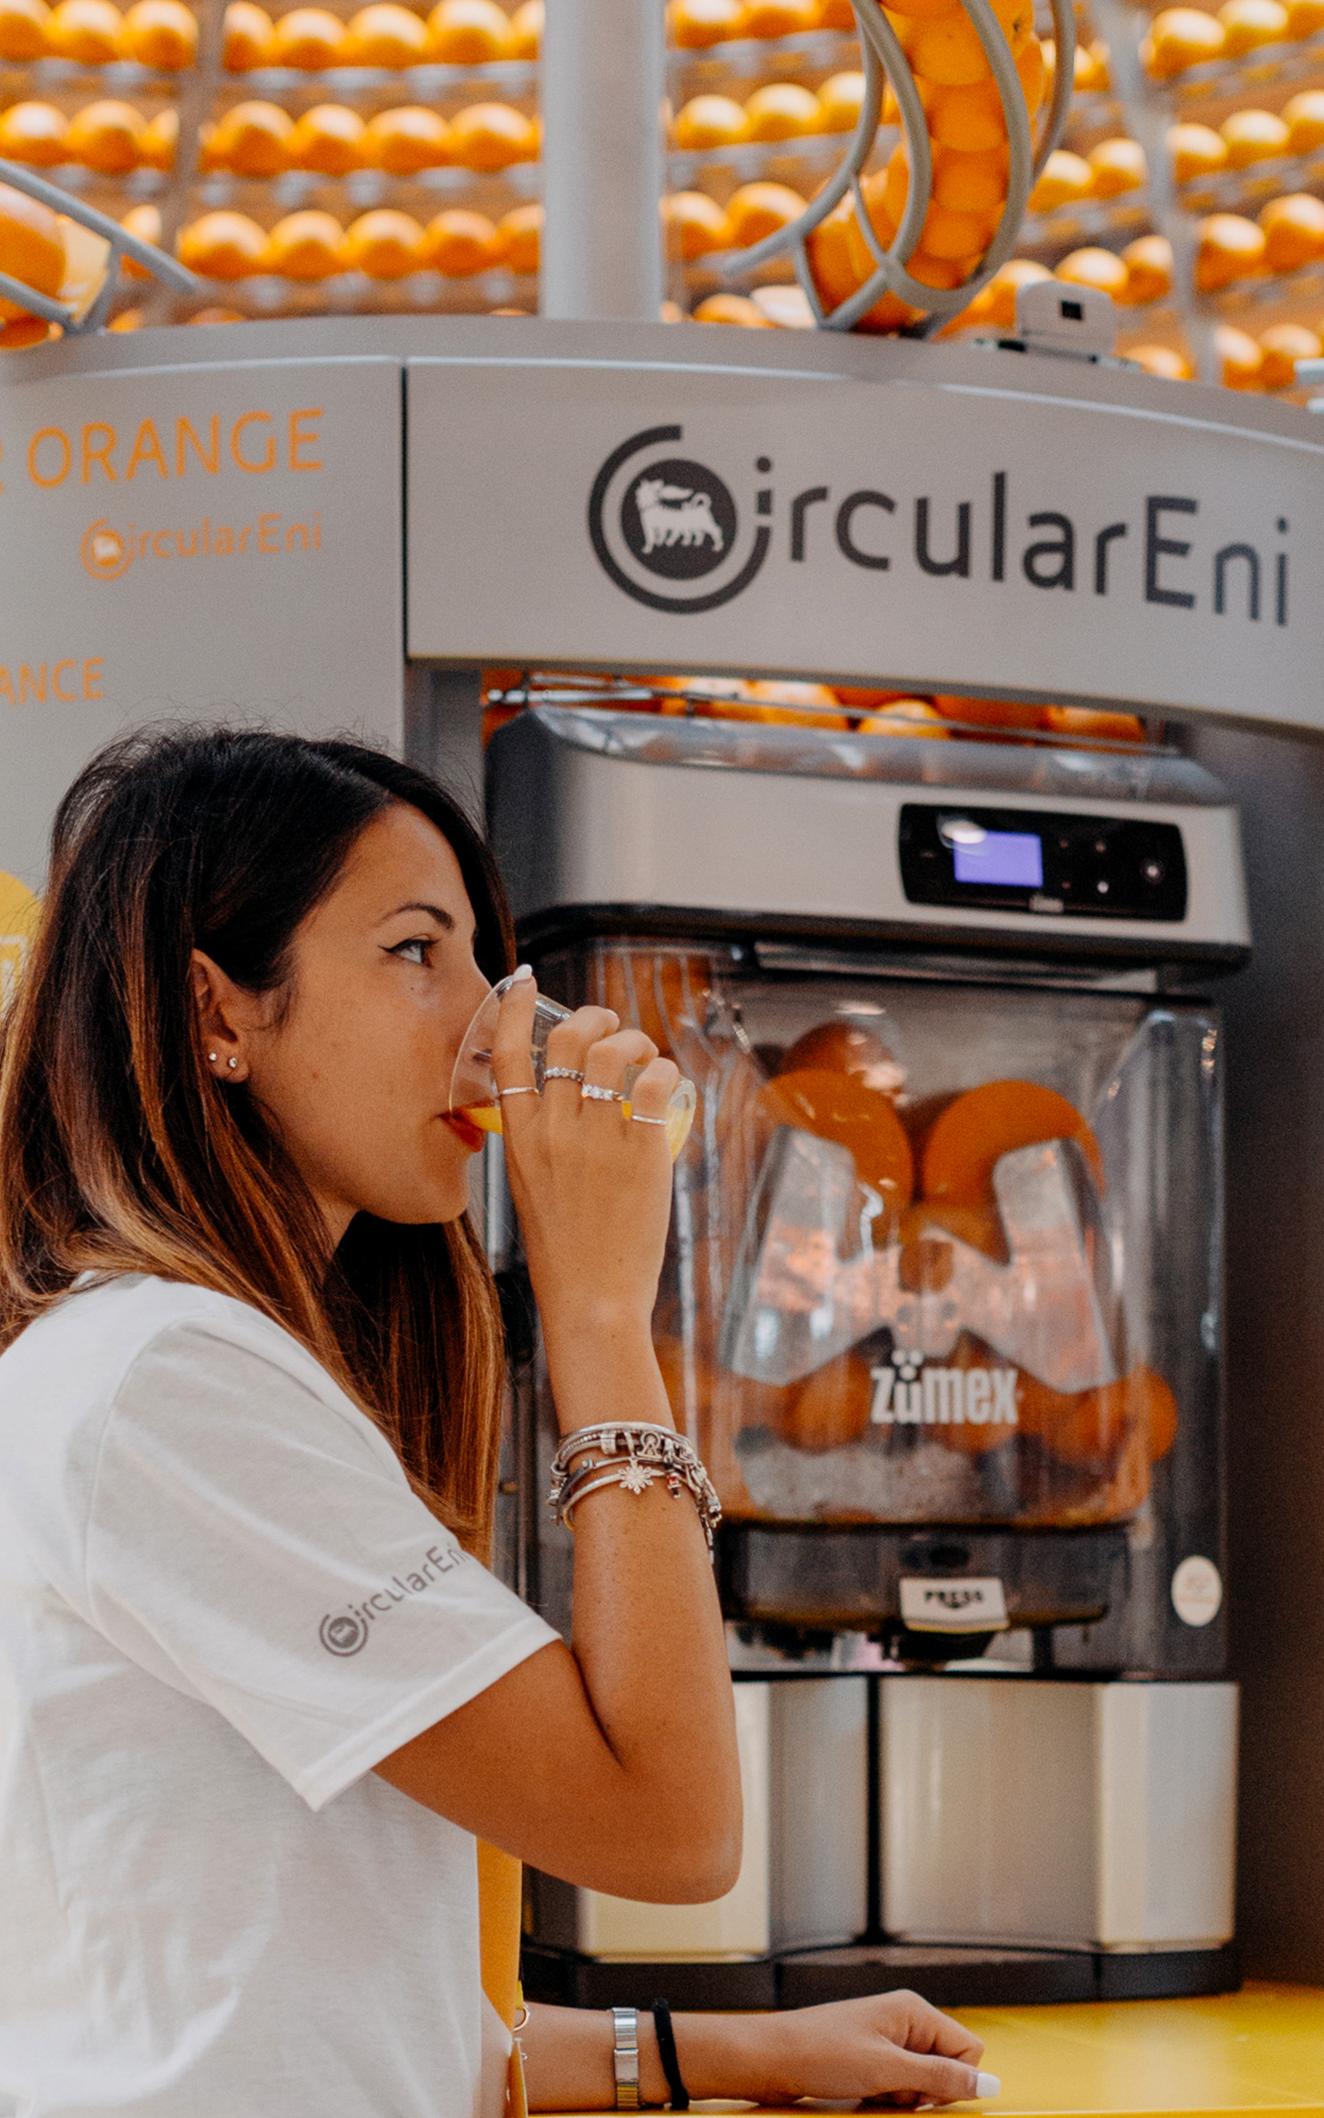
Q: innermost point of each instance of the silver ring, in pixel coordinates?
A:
(502, 1093)
(595, 1094)
(563, 1073)
(636, 1118)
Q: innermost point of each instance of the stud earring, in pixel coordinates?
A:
(213, 1056)
(232, 1062)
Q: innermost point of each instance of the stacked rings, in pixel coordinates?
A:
(563, 1073)
(594, 1094)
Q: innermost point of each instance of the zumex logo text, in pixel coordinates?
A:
(677, 535)
(346, 1631)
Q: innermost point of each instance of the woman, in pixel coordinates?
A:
(259, 1692)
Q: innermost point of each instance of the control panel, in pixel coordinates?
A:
(1026, 860)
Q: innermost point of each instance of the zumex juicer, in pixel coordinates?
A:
(942, 1311)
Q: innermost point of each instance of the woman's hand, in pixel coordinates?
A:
(592, 1190)
(892, 2048)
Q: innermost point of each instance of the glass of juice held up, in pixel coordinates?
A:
(473, 1084)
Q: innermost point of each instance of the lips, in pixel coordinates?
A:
(462, 1129)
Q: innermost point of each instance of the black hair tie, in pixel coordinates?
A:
(666, 2045)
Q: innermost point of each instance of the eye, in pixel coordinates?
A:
(417, 941)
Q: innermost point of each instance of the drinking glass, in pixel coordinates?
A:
(473, 1084)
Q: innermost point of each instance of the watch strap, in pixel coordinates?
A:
(625, 2058)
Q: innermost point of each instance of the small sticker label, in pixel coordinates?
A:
(963, 1604)
(1197, 1591)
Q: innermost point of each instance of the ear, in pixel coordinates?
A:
(224, 1019)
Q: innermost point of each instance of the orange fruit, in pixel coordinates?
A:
(1163, 361)
(1247, 24)
(946, 232)
(217, 313)
(1085, 720)
(778, 18)
(86, 30)
(1253, 136)
(947, 50)
(695, 25)
(160, 33)
(158, 142)
(31, 247)
(26, 331)
(1093, 267)
(1282, 346)
(1006, 714)
(1065, 180)
(995, 304)
(906, 717)
(709, 122)
(1148, 262)
(1181, 37)
(460, 243)
(1230, 248)
(1240, 361)
(835, 14)
(304, 246)
(526, 30)
(144, 221)
(1293, 231)
(308, 38)
(1304, 118)
(927, 1232)
(840, 101)
(329, 138)
(966, 1142)
(104, 136)
(404, 140)
(1118, 167)
(970, 119)
(24, 26)
(756, 210)
(1197, 151)
(469, 33)
(1089, 1429)
(384, 244)
(247, 35)
(1305, 18)
(782, 696)
(971, 183)
(731, 309)
(33, 133)
(844, 1046)
(252, 139)
(491, 136)
(519, 239)
(385, 34)
(831, 1407)
(919, 10)
(222, 245)
(693, 225)
(839, 1107)
(781, 110)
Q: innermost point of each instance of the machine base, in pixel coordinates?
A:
(951, 1976)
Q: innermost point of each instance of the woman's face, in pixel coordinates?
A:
(356, 1078)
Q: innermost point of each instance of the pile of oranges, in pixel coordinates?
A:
(1182, 37)
(163, 34)
(1287, 234)
(382, 244)
(1248, 137)
(698, 25)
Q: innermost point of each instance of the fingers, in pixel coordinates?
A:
(937, 2080)
(654, 1089)
(512, 1057)
(929, 2030)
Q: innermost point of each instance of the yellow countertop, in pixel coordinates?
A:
(1259, 2050)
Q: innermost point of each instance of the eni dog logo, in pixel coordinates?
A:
(666, 528)
(105, 554)
(18, 921)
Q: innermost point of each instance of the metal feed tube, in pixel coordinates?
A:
(603, 82)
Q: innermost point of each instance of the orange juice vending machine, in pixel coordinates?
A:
(942, 1310)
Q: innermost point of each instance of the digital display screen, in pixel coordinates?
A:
(1012, 858)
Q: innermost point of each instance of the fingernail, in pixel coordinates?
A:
(988, 2085)
(524, 970)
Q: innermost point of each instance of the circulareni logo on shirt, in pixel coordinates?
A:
(345, 1632)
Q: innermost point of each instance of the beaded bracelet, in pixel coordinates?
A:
(644, 1453)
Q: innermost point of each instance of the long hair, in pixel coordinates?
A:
(118, 1155)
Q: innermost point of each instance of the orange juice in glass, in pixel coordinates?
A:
(473, 1084)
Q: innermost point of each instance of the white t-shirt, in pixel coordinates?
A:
(220, 1605)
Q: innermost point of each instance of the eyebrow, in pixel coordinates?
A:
(443, 919)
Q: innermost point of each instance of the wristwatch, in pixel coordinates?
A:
(625, 2059)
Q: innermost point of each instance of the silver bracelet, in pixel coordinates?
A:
(616, 1434)
(641, 1453)
(625, 2058)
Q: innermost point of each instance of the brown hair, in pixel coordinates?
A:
(119, 1155)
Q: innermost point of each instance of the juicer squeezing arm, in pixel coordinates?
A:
(809, 1285)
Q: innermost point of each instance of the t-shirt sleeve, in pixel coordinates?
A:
(253, 1539)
